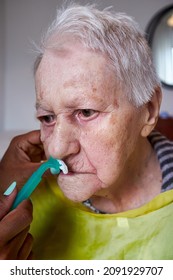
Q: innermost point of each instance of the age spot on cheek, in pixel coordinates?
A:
(94, 89)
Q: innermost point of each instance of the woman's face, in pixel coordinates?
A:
(86, 120)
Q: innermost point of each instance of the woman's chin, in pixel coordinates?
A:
(78, 188)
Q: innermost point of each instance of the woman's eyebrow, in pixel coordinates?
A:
(41, 106)
(37, 105)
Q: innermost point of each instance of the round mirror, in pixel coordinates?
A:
(159, 34)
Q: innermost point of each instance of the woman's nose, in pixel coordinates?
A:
(63, 142)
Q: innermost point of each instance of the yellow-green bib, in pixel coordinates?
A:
(66, 230)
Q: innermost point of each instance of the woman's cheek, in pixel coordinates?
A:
(46, 132)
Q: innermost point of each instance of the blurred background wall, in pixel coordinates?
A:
(21, 23)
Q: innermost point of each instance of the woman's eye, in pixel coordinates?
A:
(47, 119)
(87, 114)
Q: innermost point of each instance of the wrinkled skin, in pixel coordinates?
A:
(87, 121)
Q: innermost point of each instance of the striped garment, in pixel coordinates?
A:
(164, 150)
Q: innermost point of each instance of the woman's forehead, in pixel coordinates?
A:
(75, 72)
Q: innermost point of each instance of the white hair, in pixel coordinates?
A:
(114, 34)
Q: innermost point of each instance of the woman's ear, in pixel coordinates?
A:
(152, 112)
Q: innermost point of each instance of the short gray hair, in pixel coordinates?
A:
(114, 34)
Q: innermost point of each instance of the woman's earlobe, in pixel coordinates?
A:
(147, 128)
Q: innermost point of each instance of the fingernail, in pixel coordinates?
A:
(10, 189)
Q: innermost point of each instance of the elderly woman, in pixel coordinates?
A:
(98, 100)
